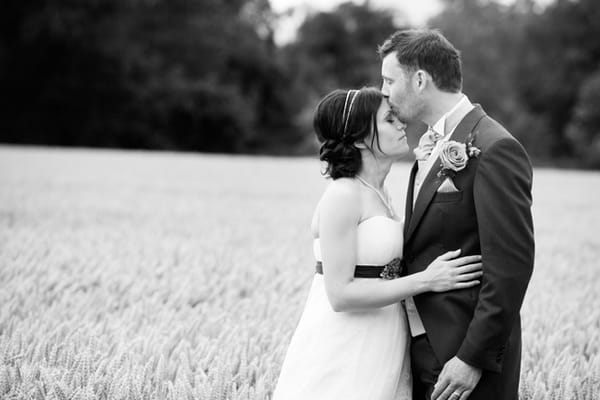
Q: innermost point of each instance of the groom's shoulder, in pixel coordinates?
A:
(496, 142)
(490, 132)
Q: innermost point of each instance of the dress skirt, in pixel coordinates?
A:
(346, 355)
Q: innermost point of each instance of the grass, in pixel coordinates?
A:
(134, 275)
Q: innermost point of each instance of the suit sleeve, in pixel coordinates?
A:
(502, 195)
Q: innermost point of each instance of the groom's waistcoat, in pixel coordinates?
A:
(490, 214)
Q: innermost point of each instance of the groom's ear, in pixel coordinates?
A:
(420, 80)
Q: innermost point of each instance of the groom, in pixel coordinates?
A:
(466, 343)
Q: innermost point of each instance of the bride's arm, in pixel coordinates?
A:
(339, 215)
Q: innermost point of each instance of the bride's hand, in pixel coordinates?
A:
(447, 272)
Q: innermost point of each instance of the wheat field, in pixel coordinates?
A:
(138, 275)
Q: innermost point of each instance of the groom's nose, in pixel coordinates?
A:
(384, 90)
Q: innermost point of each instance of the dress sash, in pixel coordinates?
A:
(360, 271)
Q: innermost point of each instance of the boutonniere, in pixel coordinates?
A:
(392, 270)
(454, 157)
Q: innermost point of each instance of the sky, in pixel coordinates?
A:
(415, 12)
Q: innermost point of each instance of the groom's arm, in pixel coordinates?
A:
(502, 195)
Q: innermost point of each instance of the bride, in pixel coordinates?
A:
(352, 341)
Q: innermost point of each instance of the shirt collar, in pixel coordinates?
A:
(464, 105)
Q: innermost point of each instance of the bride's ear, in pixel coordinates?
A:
(361, 145)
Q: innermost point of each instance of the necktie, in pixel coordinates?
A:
(426, 144)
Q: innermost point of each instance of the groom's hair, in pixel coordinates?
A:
(428, 50)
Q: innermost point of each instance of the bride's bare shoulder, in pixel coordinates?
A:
(341, 197)
(341, 189)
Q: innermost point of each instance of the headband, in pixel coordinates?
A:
(346, 115)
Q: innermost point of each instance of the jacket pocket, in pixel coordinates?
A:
(447, 197)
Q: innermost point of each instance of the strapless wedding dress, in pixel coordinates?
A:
(351, 355)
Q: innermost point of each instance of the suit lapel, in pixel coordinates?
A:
(432, 182)
(409, 197)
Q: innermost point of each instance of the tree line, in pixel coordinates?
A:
(207, 75)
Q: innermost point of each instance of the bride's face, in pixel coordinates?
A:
(392, 134)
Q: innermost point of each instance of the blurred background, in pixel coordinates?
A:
(243, 76)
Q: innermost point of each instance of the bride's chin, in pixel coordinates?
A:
(401, 154)
(405, 149)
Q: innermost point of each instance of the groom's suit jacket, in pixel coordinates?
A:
(490, 214)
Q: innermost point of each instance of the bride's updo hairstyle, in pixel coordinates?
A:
(343, 118)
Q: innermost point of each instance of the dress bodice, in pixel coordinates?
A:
(378, 241)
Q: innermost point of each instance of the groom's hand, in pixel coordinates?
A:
(456, 381)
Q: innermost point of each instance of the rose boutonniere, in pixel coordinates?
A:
(392, 270)
(454, 157)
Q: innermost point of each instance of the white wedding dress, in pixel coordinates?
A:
(351, 355)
